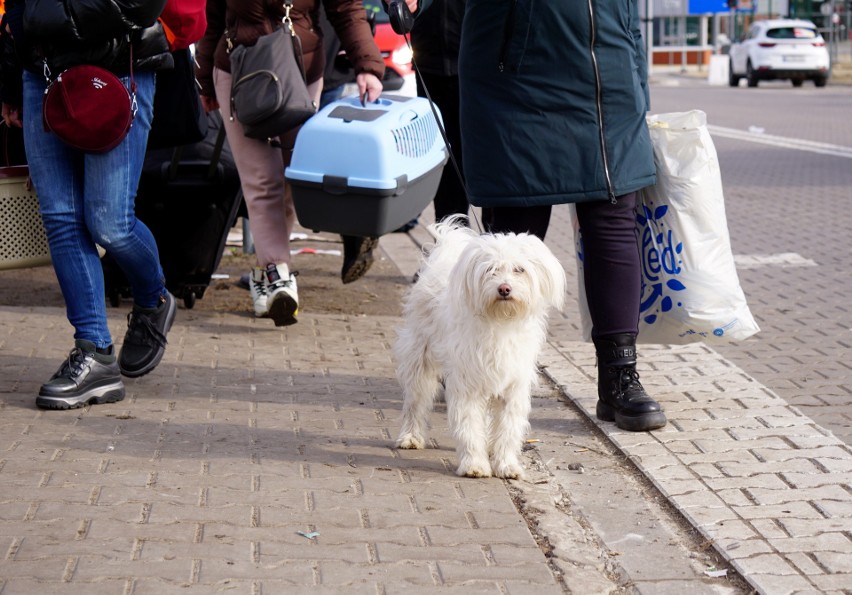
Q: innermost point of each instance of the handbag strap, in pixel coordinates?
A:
(286, 20)
(134, 107)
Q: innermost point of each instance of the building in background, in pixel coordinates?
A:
(687, 32)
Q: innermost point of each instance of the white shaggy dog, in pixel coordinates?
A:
(476, 318)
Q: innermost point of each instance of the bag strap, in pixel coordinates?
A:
(286, 20)
(134, 107)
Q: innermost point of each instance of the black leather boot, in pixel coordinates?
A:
(621, 397)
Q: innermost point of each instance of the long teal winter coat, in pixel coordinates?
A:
(553, 101)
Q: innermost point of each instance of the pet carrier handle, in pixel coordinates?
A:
(408, 116)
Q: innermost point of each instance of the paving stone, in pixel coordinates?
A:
(795, 509)
(779, 584)
(755, 467)
(737, 548)
(837, 561)
(832, 583)
(819, 494)
(766, 564)
(770, 528)
(805, 563)
(825, 542)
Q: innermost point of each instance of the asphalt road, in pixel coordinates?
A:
(786, 161)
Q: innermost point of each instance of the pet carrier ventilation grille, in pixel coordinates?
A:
(417, 138)
(23, 242)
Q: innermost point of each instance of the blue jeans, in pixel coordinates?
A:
(87, 199)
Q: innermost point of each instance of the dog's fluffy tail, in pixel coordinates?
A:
(450, 225)
(451, 236)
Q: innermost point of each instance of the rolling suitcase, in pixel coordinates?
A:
(189, 197)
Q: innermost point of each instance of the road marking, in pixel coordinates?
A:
(782, 141)
(783, 259)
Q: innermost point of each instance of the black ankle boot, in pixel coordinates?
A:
(621, 398)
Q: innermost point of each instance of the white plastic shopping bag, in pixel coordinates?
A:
(690, 288)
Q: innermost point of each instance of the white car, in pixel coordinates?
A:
(780, 49)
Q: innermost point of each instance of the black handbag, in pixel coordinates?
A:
(179, 117)
(269, 95)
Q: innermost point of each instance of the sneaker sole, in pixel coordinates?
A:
(283, 310)
(105, 394)
(159, 356)
(262, 313)
(362, 262)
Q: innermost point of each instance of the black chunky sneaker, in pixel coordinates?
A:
(85, 377)
(357, 257)
(621, 397)
(145, 340)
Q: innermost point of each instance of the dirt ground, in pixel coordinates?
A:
(320, 288)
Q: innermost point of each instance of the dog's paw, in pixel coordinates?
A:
(474, 470)
(410, 441)
(507, 470)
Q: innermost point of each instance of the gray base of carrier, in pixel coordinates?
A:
(366, 170)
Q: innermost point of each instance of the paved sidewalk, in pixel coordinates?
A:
(258, 460)
(261, 460)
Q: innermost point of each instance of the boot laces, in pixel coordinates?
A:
(281, 282)
(72, 367)
(142, 330)
(627, 383)
(259, 286)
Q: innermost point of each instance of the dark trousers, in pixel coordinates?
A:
(450, 198)
(611, 263)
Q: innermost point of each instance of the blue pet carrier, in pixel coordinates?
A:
(366, 170)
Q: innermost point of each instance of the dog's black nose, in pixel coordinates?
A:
(504, 290)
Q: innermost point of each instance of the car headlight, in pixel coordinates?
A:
(402, 56)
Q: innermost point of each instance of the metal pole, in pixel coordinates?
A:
(832, 33)
(649, 34)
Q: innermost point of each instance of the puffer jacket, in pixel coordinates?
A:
(246, 20)
(70, 32)
(553, 102)
(99, 32)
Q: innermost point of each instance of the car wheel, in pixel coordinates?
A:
(797, 82)
(820, 81)
(751, 75)
(733, 79)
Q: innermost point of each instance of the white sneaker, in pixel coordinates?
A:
(257, 289)
(282, 295)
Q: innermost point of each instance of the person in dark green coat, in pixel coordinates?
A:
(553, 103)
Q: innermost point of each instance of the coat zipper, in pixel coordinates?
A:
(507, 37)
(599, 101)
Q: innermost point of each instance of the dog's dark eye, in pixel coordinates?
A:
(519, 269)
